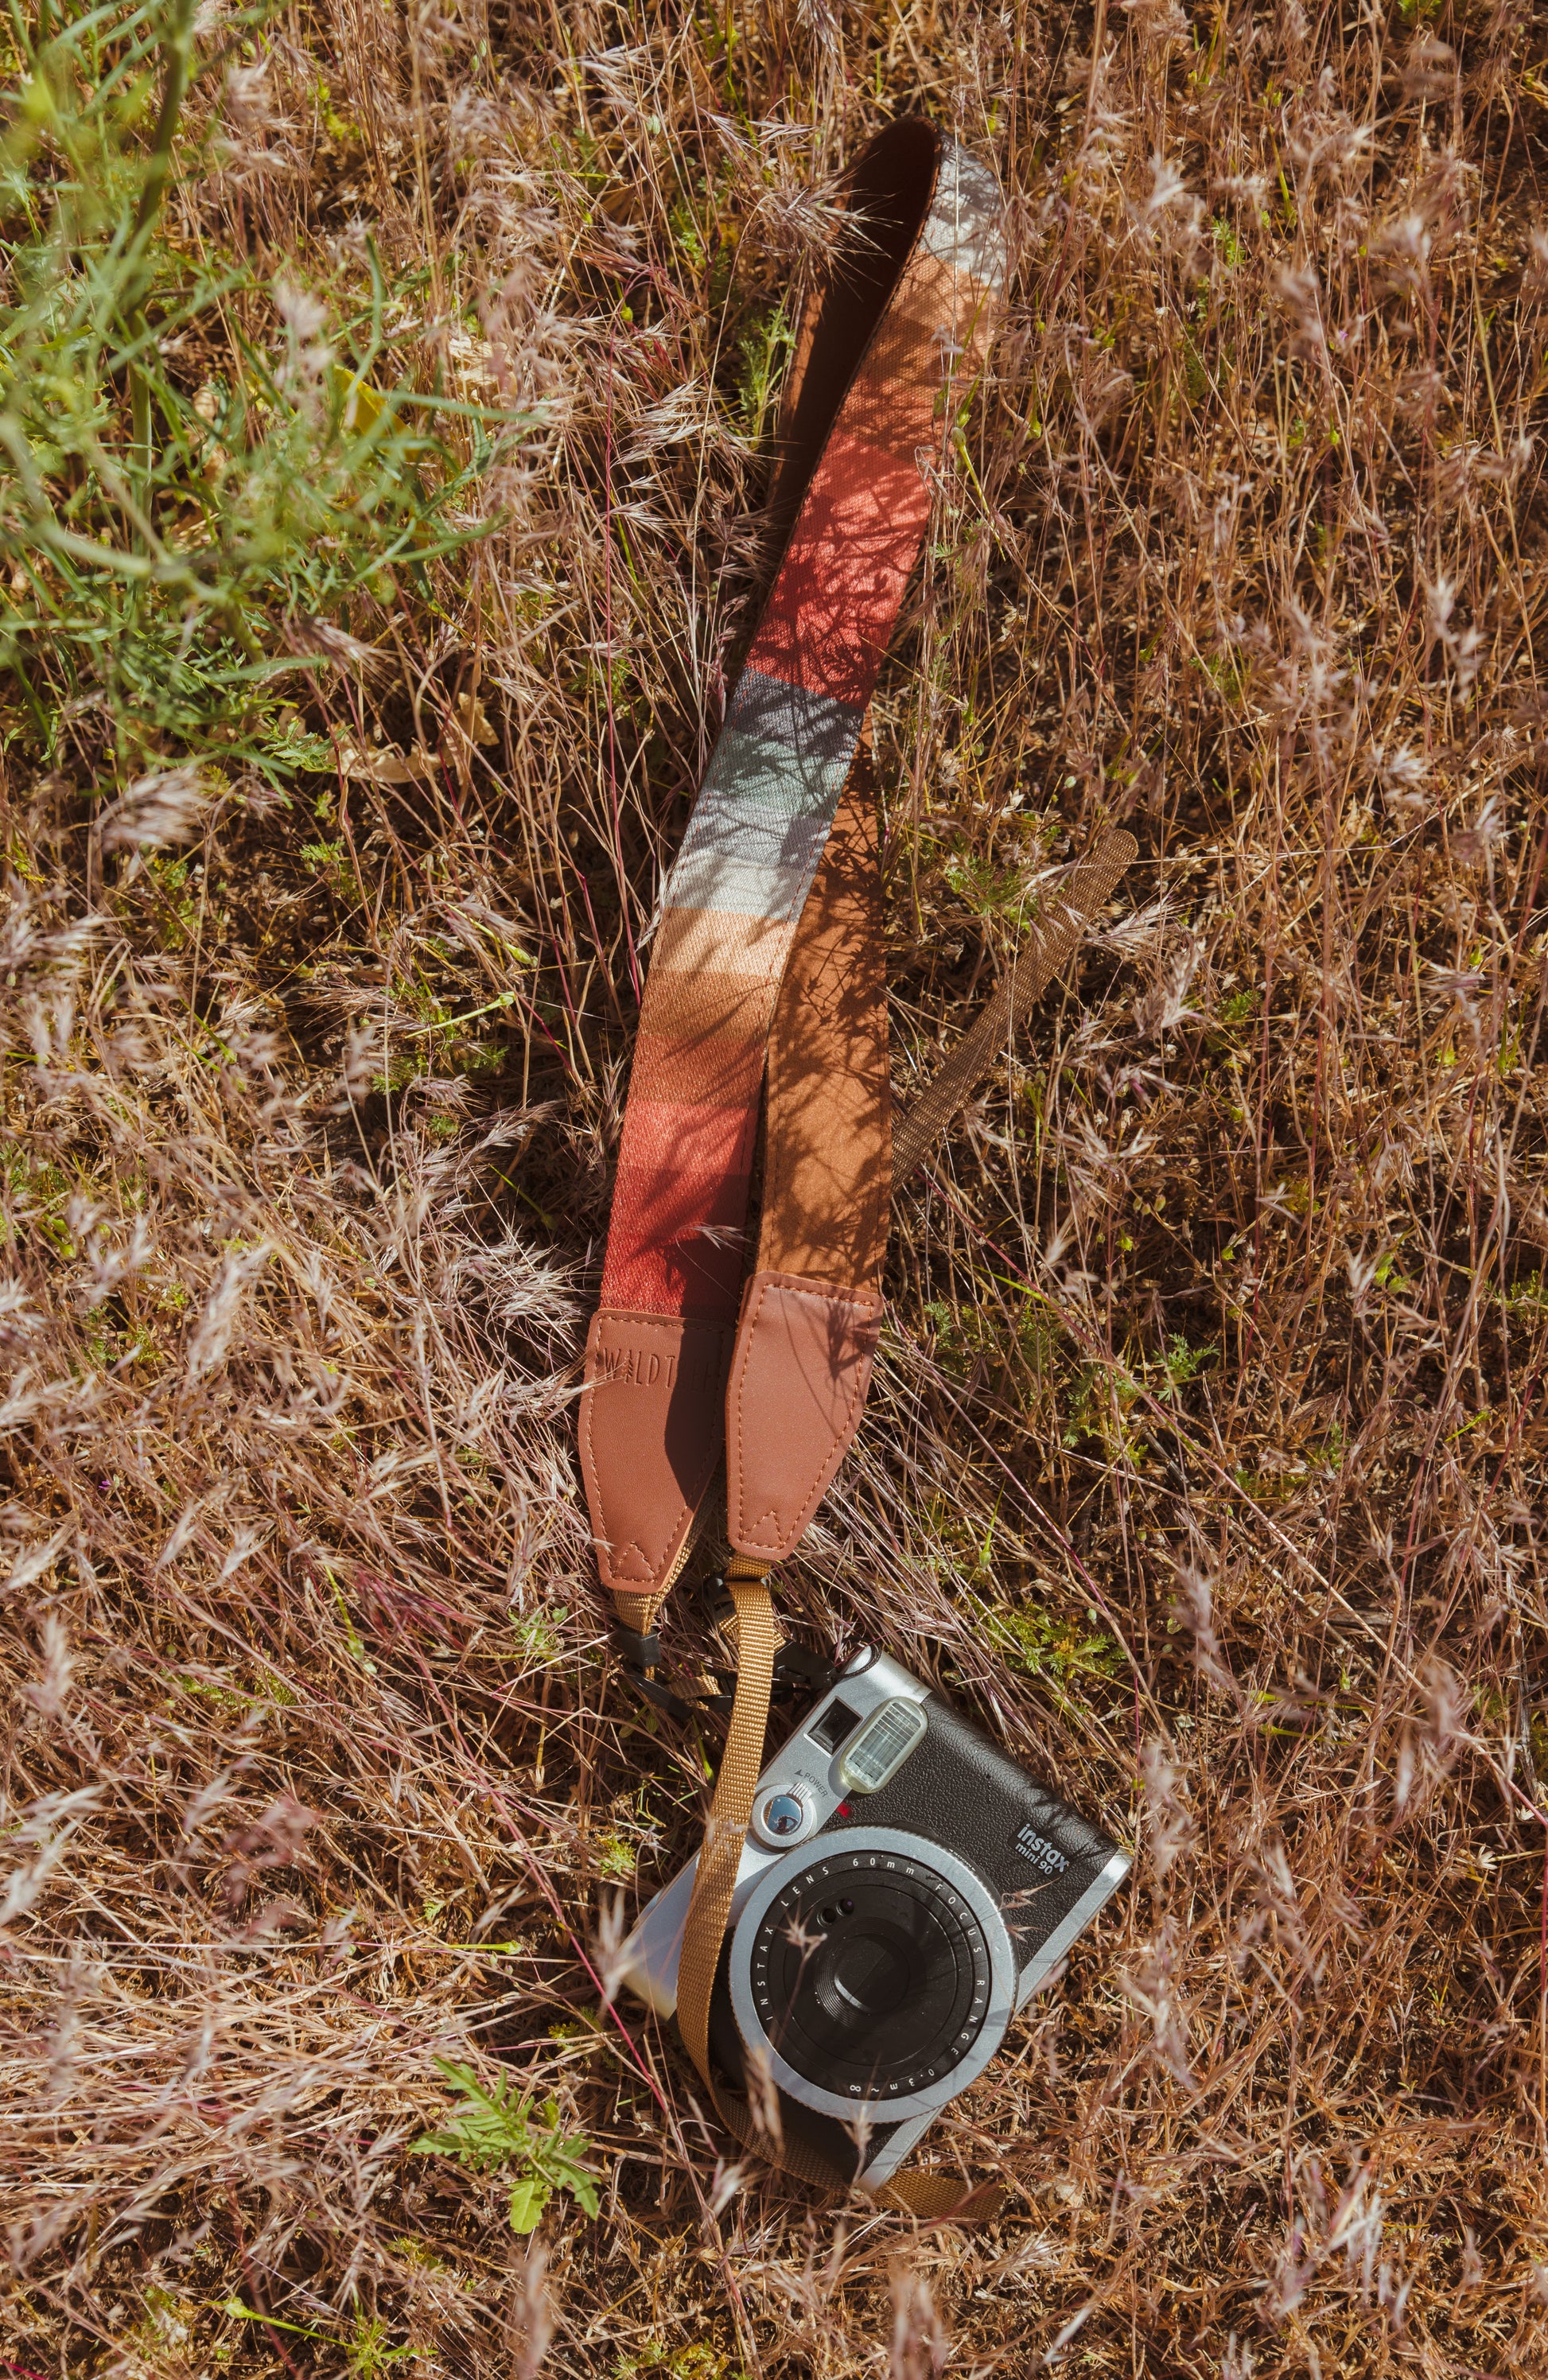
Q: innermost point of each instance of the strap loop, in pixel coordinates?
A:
(1050, 945)
(641, 1652)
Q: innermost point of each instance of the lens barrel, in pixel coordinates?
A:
(871, 1974)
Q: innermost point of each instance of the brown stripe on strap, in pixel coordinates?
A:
(812, 1312)
(829, 1169)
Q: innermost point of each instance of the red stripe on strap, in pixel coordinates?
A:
(844, 575)
(683, 1174)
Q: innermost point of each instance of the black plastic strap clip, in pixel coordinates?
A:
(641, 1657)
(794, 1666)
(639, 1652)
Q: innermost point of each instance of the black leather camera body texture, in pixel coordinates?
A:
(958, 1789)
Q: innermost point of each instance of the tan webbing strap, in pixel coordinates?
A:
(731, 1809)
(1048, 947)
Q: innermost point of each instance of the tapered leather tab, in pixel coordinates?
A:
(798, 1381)
(650, 1421)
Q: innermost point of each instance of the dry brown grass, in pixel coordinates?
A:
(1206, 1461)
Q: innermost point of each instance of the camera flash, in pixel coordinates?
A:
(881, 1747)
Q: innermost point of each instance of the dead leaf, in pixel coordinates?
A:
(474, 720)
(379, 764)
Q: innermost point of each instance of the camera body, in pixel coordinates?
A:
(903, 1887)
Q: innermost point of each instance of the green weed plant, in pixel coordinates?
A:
(496, 2131)
(204, 492)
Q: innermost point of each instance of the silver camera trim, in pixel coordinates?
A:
(912, 1851)
(648, 1961)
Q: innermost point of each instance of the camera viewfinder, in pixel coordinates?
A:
(833, 1724)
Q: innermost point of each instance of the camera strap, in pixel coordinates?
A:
(767, 984)
(767, 957)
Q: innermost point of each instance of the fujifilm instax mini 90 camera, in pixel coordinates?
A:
(903, 1887)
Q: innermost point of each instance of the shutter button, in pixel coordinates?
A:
(781, 1819)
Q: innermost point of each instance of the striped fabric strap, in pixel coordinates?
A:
(897, 336)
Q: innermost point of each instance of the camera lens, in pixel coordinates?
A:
(877, 1992)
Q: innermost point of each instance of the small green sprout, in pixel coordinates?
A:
(537, 1634)
(493, 2129)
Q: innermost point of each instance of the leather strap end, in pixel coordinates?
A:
(651, 1417)
(799, 1375)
